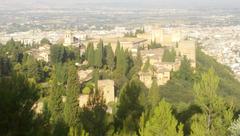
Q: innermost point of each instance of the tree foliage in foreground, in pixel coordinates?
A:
(234, 129)
(216, 115)
(17, 99)
(94, 116)
(163, 123)
(130, 107)
(154, 95)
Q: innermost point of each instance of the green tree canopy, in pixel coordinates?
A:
(216, 114)
(169, 55)
(130, 107)
(154, 94)
(99, 55)
(57, 54)
(234, 129)
(185, 71)
(163, 123)
(17, 99)
(45, 41)
(147, 66)
(110, 57)
(94, 116)
(72, 109)
(154, 45)
(90, 54)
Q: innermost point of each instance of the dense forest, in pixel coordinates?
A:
(196, 102)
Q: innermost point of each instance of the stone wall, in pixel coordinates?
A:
(188, 48)
(107, 87)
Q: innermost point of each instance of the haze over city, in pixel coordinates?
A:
(119, 67)
(189, 4)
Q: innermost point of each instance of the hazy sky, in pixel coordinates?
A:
(128, 3)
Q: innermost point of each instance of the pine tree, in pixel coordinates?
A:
(163, 123)
(17, 115)
(72, 109)
(199, 125)
(129, 107)
(142, 125)
(94, 116)
(216, 114)
(234, 129)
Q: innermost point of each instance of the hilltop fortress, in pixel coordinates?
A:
(154, 67)
(158, 68)
(168, 39)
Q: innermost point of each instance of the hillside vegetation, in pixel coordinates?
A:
(181, 90)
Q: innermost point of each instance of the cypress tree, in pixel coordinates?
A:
(138, 61)
(110, 57)
(56, 108)
(56, 103)
(90, 55)
(118, 48)
(57, 54)
(135, 65)
(99, 55)
(147, 66)
(154, 94)
(169, 55)
(72, 109)
(122, 62)
(87, 50)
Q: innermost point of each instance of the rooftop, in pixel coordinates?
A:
(120, 39)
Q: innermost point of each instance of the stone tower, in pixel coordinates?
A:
(68, 39)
